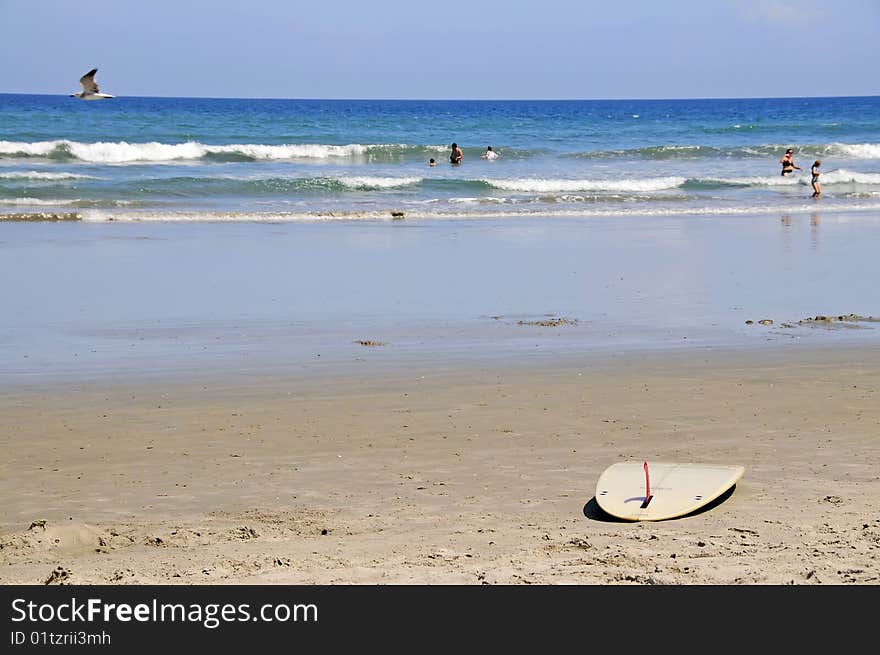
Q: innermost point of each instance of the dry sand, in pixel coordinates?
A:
(485, 475)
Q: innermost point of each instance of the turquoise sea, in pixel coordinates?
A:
(227, 159)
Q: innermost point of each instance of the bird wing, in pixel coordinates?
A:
(88, 82)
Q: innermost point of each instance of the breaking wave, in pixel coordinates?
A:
(631, 185)
(759, 151)
(119, 152)
(44, 175)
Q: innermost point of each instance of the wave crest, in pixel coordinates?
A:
(855, 150)
(843, 176)
(746, 151)
(535, 185)
(366, 182)
(44, 175)
(114, 152)
(118, 152)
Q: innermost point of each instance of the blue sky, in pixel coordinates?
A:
(444, 48)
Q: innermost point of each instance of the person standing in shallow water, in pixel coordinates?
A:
(788, 165)
(456, 155)
(814, 171)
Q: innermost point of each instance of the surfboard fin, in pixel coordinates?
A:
(648, 495)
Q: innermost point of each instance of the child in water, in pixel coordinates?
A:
(814, 171)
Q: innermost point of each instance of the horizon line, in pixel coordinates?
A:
(412, 99)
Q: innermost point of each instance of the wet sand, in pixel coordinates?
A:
(131, 300)
(481, 473)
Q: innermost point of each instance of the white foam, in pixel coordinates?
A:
(36, 149)
(570, 186)
(98, 215)
(807, 207)
(36, 201)
(776, 180)
(843, 176)
(289, 151)
(367, 182)
(122, 151)
(855, 150)
(118, 152)
(837, 176)
(673, 148)
(483, 200)
(43, 175)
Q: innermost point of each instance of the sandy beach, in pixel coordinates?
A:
(476, 475)
(433, 402)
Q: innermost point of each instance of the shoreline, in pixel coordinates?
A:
(479, 474)
(401, 213)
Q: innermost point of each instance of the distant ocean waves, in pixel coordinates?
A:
(121, 152)
(42, 175)
(153, 152)
(193, 180)
(762, 151)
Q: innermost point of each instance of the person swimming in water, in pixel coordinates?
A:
(788, 165)
(490, 154)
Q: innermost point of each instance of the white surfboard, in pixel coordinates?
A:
(667, 491)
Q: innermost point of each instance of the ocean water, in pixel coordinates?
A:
(257, 235)
(186, 159)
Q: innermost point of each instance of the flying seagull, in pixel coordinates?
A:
(90, 88)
